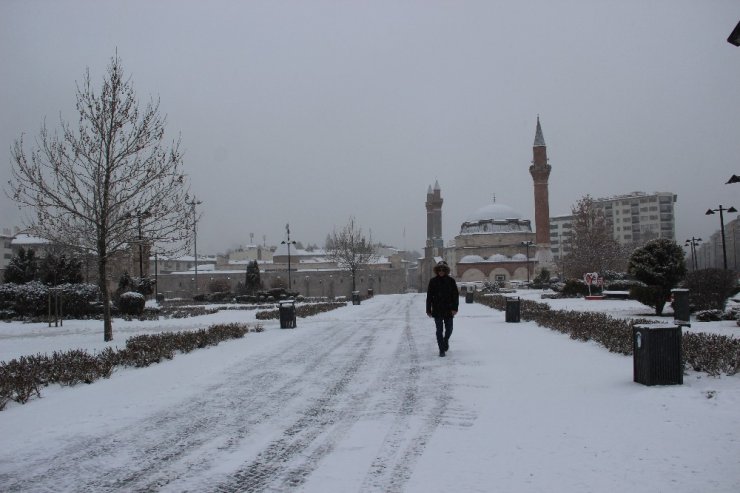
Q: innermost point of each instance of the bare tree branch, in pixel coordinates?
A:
(349, 248)
(94, 185)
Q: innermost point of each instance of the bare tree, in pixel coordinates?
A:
(349, 248)
(593, 247)
(106, 182)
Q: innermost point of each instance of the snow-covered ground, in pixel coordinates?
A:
(357, 399)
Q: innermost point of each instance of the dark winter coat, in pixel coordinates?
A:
(442, 296)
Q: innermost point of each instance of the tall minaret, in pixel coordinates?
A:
(540, 171)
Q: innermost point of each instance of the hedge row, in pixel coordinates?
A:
(32, 299)
(22, 378)
(713, 354)
(302, 311)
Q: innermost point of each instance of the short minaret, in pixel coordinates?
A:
(434, 216)
(540, 171)
(434, 248)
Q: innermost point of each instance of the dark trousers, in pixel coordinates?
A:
(447, 322)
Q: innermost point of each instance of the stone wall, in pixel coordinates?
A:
(328, 283)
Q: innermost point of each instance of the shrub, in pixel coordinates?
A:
(22, 378)
(709, 315)
(131, 303)
(652, 296)
(575, 287)
(623, 285)
(710, 288)
(302, 311)
(79, 299)
(710, 353)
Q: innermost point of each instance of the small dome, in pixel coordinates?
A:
(496, 212)
(498, 258)
(471, 259)
(519, 256)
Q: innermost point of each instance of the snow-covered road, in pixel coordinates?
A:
(358, 400)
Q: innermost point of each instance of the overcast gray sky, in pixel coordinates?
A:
(311, 111)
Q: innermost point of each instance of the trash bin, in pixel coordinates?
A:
(681, 314)
(355, 297)
(469, 296)
(513, 307)
(369, 292)
(656, 352)
(287, 314)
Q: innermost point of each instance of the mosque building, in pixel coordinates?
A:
(496, 243)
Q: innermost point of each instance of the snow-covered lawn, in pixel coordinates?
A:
(357, 399)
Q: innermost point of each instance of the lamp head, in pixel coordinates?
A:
(709, 212)
(731, 209)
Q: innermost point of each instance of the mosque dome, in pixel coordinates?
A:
(493, 212)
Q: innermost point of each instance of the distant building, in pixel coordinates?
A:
(709, 252)
(634, 218)
(6, 248)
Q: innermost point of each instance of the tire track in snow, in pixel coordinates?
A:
(247, 397)
(288, 461)
(424, 397)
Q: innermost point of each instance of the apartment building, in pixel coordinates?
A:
(635, 218)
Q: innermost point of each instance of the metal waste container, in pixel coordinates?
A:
(370, 292)
(355, 297)
(681, 312)
(469, 295)
(287, 314)
(657, 356)
(513, 308)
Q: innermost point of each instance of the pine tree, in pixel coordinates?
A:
(58, 269)
(252, 281)
(22, 268)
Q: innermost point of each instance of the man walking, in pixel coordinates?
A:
(443, 299)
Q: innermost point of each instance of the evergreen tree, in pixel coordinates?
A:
(22, 268)
(252, 281)
(58, 269)
(661, 265)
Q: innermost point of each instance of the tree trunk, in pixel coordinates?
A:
(103, 285)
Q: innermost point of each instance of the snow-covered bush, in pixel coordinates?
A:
(710, 288)
(78, 300)
(661, 265)
(652, 296)
(22, 378)
(32, 299)
(710, 353)
(302, 311)
(708, 315)
(131, 303)
(576, 287)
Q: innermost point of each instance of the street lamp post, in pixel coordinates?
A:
(692, 243)
(722, 227)
(528, 244)
(288, 242)
(139, 215)
(193, 203)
